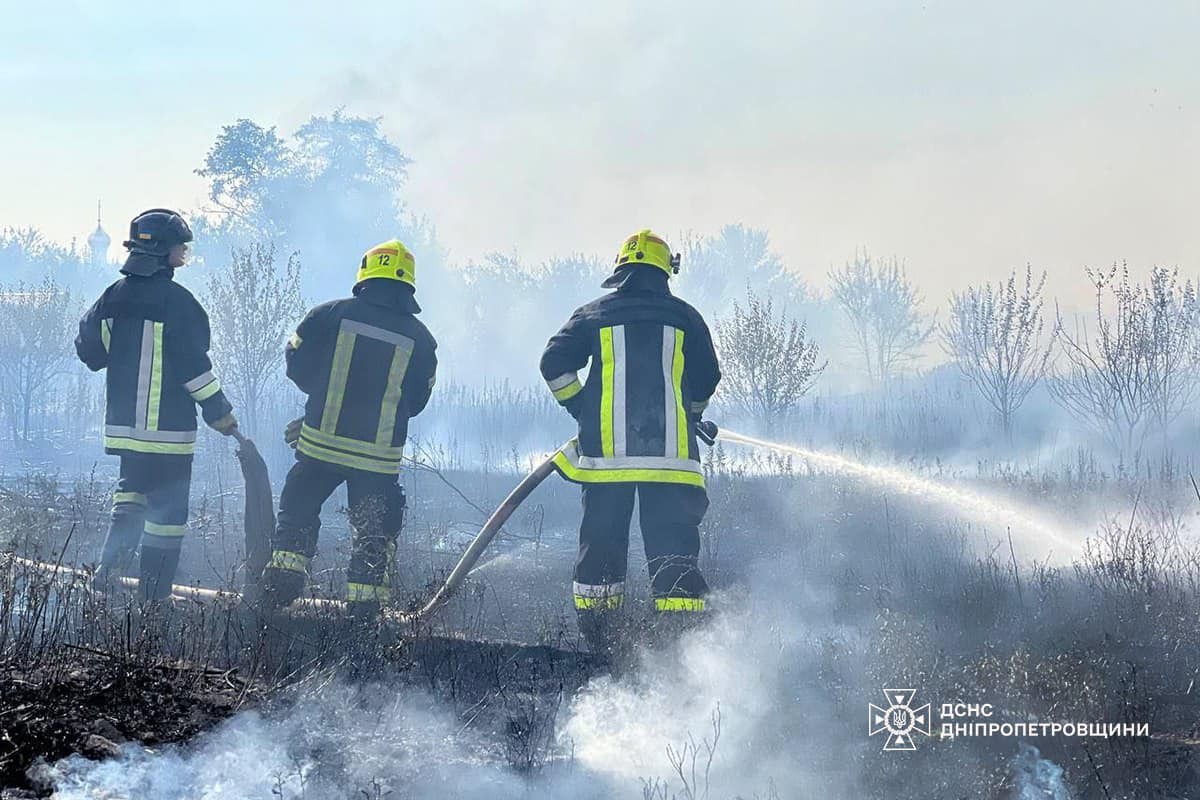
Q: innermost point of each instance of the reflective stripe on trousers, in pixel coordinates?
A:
(669, 604)
(602, 596)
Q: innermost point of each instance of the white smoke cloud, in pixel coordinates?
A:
(339, 741)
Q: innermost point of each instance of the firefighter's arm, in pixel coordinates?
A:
(421, 377)
(303, 351)
(566, 353)
(187, 345)
(93, 340)
(703, 371)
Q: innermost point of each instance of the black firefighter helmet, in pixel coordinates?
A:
(152, 234)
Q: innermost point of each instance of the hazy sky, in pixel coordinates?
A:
(965, 137)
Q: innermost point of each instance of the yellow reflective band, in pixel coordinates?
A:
(339, 372)
(603, 603)
(138, 446)
(606, 392)
(205, 392)
(130, 498)
(391, 396)
(356, 446)
(364, 591)
(681, 423)
(578, 474)
(295, 341)
(314, 450)
(287, 560)
(567, 392)
(106, 333)
(156, 373)
(579, 468)
(679, 604)
(158, 529)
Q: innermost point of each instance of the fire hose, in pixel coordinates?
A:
(258, 484)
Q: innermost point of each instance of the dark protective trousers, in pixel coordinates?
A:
(150, 506)
(670, 517)
(376, 516)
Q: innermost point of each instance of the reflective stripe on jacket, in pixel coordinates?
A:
(653, 369)
(367, 365)
(151, 337)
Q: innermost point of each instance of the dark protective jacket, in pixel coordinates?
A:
(152, 337)
(367, 365)
(653, 370)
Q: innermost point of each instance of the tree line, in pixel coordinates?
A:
(288, 216)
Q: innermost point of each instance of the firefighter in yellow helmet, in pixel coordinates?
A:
(367, 365)
(653, 370)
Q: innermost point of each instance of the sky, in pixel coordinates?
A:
(965, 138)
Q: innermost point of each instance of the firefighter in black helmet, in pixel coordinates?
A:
(653, 370)
(152, 338)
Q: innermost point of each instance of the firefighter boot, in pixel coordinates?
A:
(156, 571)
(125, 530)
(279, 586)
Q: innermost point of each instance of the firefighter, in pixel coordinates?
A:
(152, 338)
(653, 370)
(367, 365)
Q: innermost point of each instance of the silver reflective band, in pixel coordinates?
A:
(619, 399)
(200, 381)
(670, 430)
(598, 589)
(143, 435)
(631, 462)
(145, 367)
(562, 381)
(372, 332)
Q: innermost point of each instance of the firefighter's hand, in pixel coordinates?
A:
(225, 425)
(706, 431)
(291, 434)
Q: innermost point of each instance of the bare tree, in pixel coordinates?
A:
(1139, 369)
(35, 347)
(995, 337)
(1174, 345)
(884, 309)
(768, 362)
(253, 307)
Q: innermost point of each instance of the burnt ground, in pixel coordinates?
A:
(81, 700)
(90, 703)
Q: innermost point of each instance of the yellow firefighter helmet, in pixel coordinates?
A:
(647, 247)
(390, 260)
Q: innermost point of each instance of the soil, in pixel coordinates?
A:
(90, 703)
(86, 702)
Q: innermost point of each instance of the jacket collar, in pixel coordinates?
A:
(144, 265)
(638, 279)
(388, 294)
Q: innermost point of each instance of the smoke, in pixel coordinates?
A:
(749, 671)
(740, 690)
(334, 742)
(1035, 778)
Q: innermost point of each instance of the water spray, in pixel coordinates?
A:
(972, 504)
